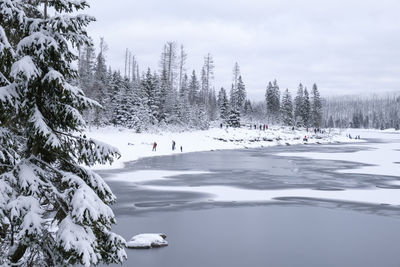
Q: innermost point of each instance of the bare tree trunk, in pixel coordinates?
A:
(18, 253)
(129, 66)
(45, 8)
(126, 61)
(182, 62)
(133, 68)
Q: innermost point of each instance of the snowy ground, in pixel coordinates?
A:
(137, 145)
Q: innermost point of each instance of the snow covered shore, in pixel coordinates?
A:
(137, 145)
(376, 158)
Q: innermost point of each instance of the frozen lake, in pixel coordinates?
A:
(319, 205)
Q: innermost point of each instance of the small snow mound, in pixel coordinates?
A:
(147, 241)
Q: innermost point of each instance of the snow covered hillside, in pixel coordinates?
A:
(137, 145)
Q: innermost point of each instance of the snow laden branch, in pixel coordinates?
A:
(53, 211)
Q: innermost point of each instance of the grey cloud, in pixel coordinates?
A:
(344, 46)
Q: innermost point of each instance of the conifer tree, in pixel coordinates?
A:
(272, 96)
(193, 89)
(234, 117)
(212, 105)
(330, 122)
(99, 86)
(223, 104)
(117, 96)
(306, 111)
(287, 109)
(277, 97)
(86, 67)
(233, 96)
(316, 107)
(184, 106)
(199, 117)
(248, 109)
(124, 101)
(241, 94)
(149, 87)
(207, 76)
(163, 83)
(298, 103)
(53, 211)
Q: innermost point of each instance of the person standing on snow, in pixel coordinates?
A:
(154, 146)
(173, 145)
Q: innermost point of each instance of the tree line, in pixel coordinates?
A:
(374, 111)
(174, 96)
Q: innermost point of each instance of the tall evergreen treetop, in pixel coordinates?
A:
(241, 93)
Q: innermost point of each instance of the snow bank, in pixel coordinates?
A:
(147, 241)
(137, 145)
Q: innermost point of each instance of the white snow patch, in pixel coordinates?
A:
(232, 194)
(147, 241)
(25, 66)
(396, 183)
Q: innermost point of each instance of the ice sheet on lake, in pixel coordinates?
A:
(143, 176)
(235, 194)
(232, 194)
(381, 156)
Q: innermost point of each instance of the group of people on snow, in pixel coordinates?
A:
(357, 137)
(261, 126)
(173, 146)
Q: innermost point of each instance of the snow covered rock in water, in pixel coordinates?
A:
(147, 241)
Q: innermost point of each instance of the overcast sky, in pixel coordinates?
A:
(345, 46)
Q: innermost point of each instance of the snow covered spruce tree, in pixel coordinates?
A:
(306, 111)
(234, 117)
(53, 211)
(272, 97)
(299, 105)
(223, 105)
(316, 107)
(287, 108)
